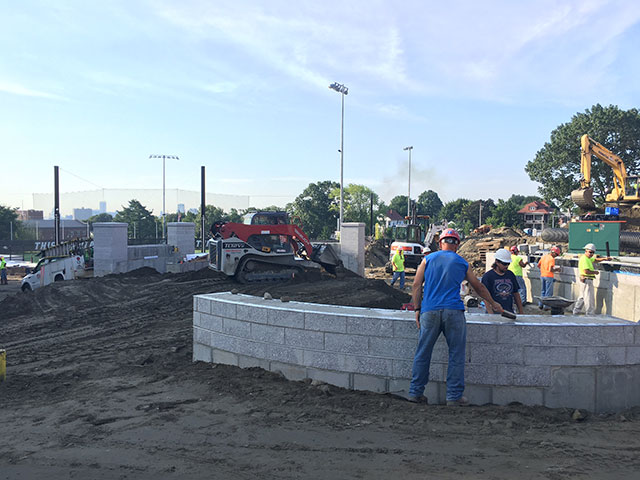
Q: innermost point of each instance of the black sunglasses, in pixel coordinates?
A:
(503, 263)
(451, 241)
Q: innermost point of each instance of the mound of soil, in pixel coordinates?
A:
(376, 254)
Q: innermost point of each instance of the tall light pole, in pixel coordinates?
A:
(342, 90)
(409, 192)
(164, 210)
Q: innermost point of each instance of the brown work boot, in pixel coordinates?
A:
(460, 402)
(421, 399)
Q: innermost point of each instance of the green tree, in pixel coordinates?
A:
(142, 223)
(357, 204)
(557, 165)
(429, 203)
(8, 222)
(317, 208)
(505, 214)
(100, 217)
(399, 204)
(452, 211)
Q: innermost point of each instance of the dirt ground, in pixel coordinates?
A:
(100, 385)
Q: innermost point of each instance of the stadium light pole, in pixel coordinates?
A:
(409, 192)
(164, 210)
(342, 90)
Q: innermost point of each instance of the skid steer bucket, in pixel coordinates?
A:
(583, 198)
(326, 256)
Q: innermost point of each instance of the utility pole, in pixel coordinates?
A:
(409, 191)
(342, 90)
(164, 210)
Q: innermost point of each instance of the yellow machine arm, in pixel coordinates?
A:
(584, 196)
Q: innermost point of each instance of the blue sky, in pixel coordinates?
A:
(242, 88)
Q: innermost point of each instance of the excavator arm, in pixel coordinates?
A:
(583, 197)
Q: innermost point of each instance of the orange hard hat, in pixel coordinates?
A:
(450, 233)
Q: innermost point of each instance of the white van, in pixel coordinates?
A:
(53, 269)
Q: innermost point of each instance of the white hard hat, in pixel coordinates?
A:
(503, 255)
(426, 250)
(590, 246)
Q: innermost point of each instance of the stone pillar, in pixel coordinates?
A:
(352, 247)
(182, 235)
(109, 248)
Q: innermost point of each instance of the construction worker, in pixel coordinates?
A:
(3, 271)
(516, 266)
(587, 298)
(548, 267)
(439, 309)
(502, 284)
(397, 262)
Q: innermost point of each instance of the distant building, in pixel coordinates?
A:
(535, 215)
(193, 210)
(82, 214)
(181, 208)
(45, 229)
(394, 219)
(103, 207)
(30, 215)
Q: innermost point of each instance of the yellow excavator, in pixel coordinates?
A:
(625, 187)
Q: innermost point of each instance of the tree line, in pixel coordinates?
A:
(556, 167)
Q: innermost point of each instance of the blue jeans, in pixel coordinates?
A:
(522, 290)
(454, 326)
(395, 277)
(547, 288)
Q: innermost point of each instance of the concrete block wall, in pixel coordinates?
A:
(109, 247)
(182, 235)
(352, 247)
(532, 361)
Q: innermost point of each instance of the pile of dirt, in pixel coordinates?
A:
(474, 247)
(376, 254)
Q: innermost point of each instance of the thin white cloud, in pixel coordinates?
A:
(17, 89)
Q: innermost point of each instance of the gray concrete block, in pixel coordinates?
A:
(482, 333)
(528, 376)
(267, 333)
(402, 368)
(225, 358)
(401, 348)
(578, 335)
(201, 353)
(324, 322)
(601, 356)
(633, 355)
(486, 353)
(210, 322)
(284, 354)
(203, 304)
(223, 309)
(201, 336)
(481, 374)
(572, 387)
(304, 339)
(251, 348)
(380, 327)
(524, 395)
(250, 362)
(324, 360)
(284, 318)
(399, 387)
(440, 351)
(338, 379)
(405, 329)
(478, 394)
(369, 365)
(236, 328)
(617, 388)
(343, 343)
(437, 372)
(369, 383)
(290, 372)
(251, 313)
(436, 392)
(550, 355)
(524, 335)
(223, 342)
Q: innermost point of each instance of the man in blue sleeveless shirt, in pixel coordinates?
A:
(439, 309)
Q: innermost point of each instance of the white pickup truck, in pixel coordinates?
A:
(53, 269)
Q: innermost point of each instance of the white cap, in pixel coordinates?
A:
(426, 250)
(590, 246)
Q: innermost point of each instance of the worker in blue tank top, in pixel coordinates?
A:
(439, 309)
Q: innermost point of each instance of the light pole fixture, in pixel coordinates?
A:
(164, 210)
(342, 90)
(409, 192)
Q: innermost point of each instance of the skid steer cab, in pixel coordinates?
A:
(266, 247)
(53, 269)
